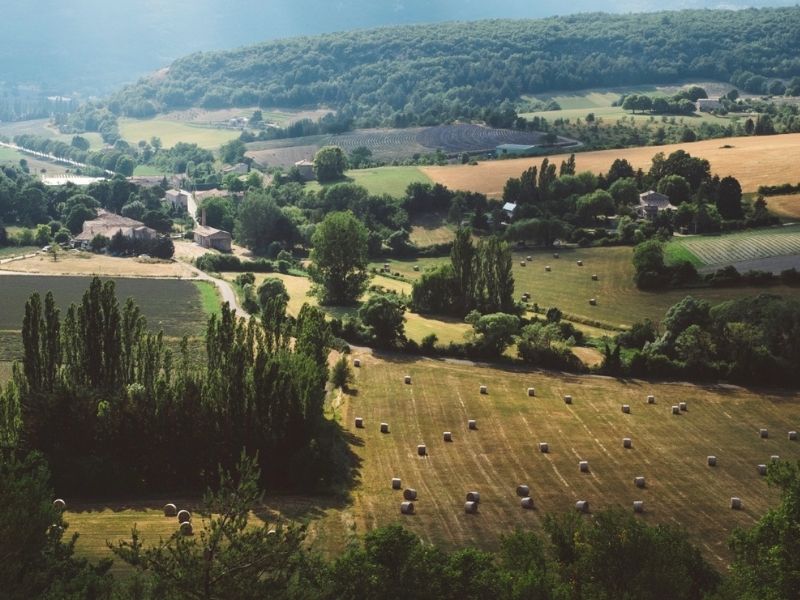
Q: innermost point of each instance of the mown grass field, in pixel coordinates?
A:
(754, 161)
(42, 127)
(669, 451)
(569, 287)
(739, 247)
(430, 229)
(417, 326)
(171, 132)
(381, 180)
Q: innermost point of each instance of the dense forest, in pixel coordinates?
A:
(432, 73)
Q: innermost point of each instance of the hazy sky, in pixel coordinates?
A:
(97, 44)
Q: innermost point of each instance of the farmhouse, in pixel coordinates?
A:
(708, 104)
(306, 169)
(177, 198)
(651, 203)
(209, 237)
(509, 208)
(514, 150)
(108, 224)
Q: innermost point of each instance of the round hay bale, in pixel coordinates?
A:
(406, 508)
(762, 469)
(471, 508)
(775, 458)
(523, 490)
(384, 428)
(579, 263)
(396, 483)
(736, 503)
(638, 506)
(627, 443)
(526, 503)
(763, 433)
(639, 482)
(712, 461)
(59, 504)
(447, 436)
(568, 399)
(484, 389)
(676, 410)
(416, 268)
(272, 533)
(407, 379)
(547, 268)
(593, 301)
(422, 450)
(357, 362)
(409, 494)
(594, 276)
(386, 266)
(359, 423)
(522, 263)
(555, 255)
(531, 392)
(626, 408)
(170, 510)
(582, 506)
(184, 516)
(473, 497)
(544, 448)
(186, 528)
(529, 258)
(792, 436)
(651, 399)
(682, 406)
(472, 424)
(583, 465)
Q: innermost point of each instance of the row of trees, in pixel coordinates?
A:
(115, 410)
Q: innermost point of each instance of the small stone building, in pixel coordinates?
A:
(209, 237)
(651, 203)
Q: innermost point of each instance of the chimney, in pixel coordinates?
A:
(203, 217)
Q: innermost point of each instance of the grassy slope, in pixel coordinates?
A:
(787, 206)
(172, 132)
(382, 180)
(733, 247)
(209, 297)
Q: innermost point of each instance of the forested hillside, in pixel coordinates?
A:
(429, 73)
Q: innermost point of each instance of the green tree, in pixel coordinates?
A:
(272, 289)
(695, 346)
(493, 333)
(383, 315)
(77, 216)
(232, 152)
(125, 165)
(462, 258)
(341, 374)
(261, 222)
(329, 164)
(729, 198)
(624, 191)
(648, 262)
(593, 205)
(42, 235)
(339, 259)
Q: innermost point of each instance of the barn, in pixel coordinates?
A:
(209, 237)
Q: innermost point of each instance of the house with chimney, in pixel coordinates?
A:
(211, 237)
(651, 203)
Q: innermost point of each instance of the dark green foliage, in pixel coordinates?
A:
(261, 222)
(492, 333)
(329, 164)
(37, 562)
(342, 374)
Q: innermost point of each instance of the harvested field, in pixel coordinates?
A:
(171, 132)
(430, 229)
(741, 247)
(754, 161)
(787, 206)
(395, 144)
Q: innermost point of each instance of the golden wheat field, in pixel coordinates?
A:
(754, 161)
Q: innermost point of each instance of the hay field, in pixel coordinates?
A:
(787, 206)
(754, 161)
(85, 263)
(670, 451)
(742, 246)
(429, 229)
(569, 287)
(171, 132)
(43, 128)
